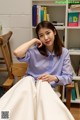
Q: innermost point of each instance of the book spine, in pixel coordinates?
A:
(42, 14)
(73, 93)
(38, 14)
(45, 13)
(79, 20)
(78, 69)
(48, 17)
(77, 89)
(34, 15)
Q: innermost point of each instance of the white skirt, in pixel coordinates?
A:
(28, 100)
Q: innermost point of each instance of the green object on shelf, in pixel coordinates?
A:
(73, 93)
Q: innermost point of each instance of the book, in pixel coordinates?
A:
(38, 14)
(79, 69)
(75, 7)
(77, 89)
(48, 17)
(34, 15)
(79, 20)
(42, 14)
(58, 24)
(73, 93)
(73, 18)
(45, 13)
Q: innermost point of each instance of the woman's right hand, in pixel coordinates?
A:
(38, 42)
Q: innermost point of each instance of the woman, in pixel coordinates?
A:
(49, 66)
(49, 60)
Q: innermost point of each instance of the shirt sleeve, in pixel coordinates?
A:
(26, 58)
(66, 75)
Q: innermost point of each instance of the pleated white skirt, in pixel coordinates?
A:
(29, 101)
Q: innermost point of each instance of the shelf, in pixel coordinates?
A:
(60, 27)
(74, 52)
(73, 27)
(57, 27)
(47, 3)
(76, 78)
(73, 101)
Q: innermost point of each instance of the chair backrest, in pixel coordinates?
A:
(6, 52)
(6, 60)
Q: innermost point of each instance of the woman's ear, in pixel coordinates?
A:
(54, 32)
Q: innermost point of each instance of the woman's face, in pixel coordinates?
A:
(47, 36)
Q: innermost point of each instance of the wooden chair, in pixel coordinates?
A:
(6, 59)
(19, 70)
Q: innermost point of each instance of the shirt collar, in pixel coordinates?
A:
(49, 53)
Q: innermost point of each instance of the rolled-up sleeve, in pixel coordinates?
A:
(66, 73)
(26, 58)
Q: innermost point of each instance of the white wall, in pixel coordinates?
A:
(16, 15)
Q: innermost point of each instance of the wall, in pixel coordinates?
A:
(16, 15)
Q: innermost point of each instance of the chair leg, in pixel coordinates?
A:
(68, 97)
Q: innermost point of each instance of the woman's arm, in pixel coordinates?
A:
(64, 78)
(66, 75)
(21, 50)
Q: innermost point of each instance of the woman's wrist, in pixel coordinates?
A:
(34, 40)
(56, 79)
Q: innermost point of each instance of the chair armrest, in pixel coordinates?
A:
(70, 86)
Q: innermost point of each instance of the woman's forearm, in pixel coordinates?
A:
(21, 50)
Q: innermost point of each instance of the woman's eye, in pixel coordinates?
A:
(48, 33)
(40, 36)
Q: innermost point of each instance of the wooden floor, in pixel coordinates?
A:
(75, 110)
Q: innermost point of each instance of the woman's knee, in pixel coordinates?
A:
(28, 80)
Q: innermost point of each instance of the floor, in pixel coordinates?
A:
(75, 110)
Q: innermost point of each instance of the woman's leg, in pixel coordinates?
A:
(49, 105)
(20, 100)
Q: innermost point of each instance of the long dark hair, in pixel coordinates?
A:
(57, 42)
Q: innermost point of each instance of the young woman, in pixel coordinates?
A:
(49, 60)
(49, 66)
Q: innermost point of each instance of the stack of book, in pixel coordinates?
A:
(39, 14)
(75, 7)
(55, 23)
(74, 15)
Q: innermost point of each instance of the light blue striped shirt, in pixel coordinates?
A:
(58, 66)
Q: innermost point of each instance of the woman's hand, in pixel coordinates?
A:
(38, 42)
(48, 77)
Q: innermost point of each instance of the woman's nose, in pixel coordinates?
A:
(46, 37)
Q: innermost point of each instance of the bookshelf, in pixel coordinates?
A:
(58, 10)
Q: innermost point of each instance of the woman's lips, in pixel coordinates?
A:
(47, 42)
